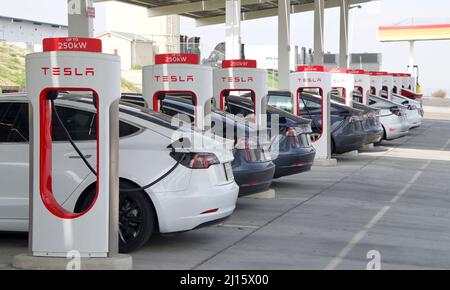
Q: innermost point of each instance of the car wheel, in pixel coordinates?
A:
(137, 218)
(333, 147)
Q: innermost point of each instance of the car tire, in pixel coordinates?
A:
(382, 138)
(137, 218)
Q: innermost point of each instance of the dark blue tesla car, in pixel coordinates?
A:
(370, 122)
(252, 166)
(347, 131)
(295, 153)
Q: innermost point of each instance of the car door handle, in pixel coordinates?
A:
(78, 157)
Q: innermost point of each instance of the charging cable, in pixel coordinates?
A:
(67, 134)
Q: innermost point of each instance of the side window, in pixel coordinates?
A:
(127, 129)
(237, 110)
(312, 105)
(173, 112)
(281, 102)
(82, 125)
(14, 122)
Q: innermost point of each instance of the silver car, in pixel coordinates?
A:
(393, 117)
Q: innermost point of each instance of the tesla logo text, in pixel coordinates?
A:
(174, 79)
(68, 71)
(238, 79)
(310, 80)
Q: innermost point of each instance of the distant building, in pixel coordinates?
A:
(28, 33)
(135, 51)
(128, 31)
(366, 61)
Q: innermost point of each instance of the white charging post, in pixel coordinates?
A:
(344, 82)
(243, 76)
(315, 78)
(180, 74)
(388, 85)
(397, 83)
(407, 81)
(376, 82)
(73, 65)
(362, 84)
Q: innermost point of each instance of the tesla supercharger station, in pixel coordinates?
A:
(388, 85)
(243, 76)
(180, 73)
(397, 83)
(407, 81)
(74, 64)
(315, 78)
(362, 84)
(376, 82)
(344, 82)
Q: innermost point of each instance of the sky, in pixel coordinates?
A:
(432, 57)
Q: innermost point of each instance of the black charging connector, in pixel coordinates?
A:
(52, 95)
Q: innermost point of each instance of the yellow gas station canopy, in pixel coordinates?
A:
(414, 32)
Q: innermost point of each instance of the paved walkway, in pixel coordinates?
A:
(392, 206)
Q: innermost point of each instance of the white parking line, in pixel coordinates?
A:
(360, 235)
(238, 226)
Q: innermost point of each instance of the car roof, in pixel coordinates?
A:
(246, 101)
(126, 108)
(335, 104)
(186, 104)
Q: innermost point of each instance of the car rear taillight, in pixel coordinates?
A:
(196, 160)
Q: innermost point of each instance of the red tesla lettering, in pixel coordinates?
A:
(68, 71)
(45, 70)
(56, 71)
(90, 71)
(77, 73)
(238, 79)
(174, 79)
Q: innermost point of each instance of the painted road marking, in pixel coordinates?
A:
(378, 216)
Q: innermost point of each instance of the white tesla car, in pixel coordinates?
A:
(199, 191)
(414, 110)
(393, 118)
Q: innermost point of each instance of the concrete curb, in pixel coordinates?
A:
(27, 262)
(325, 162)
(268, 194)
